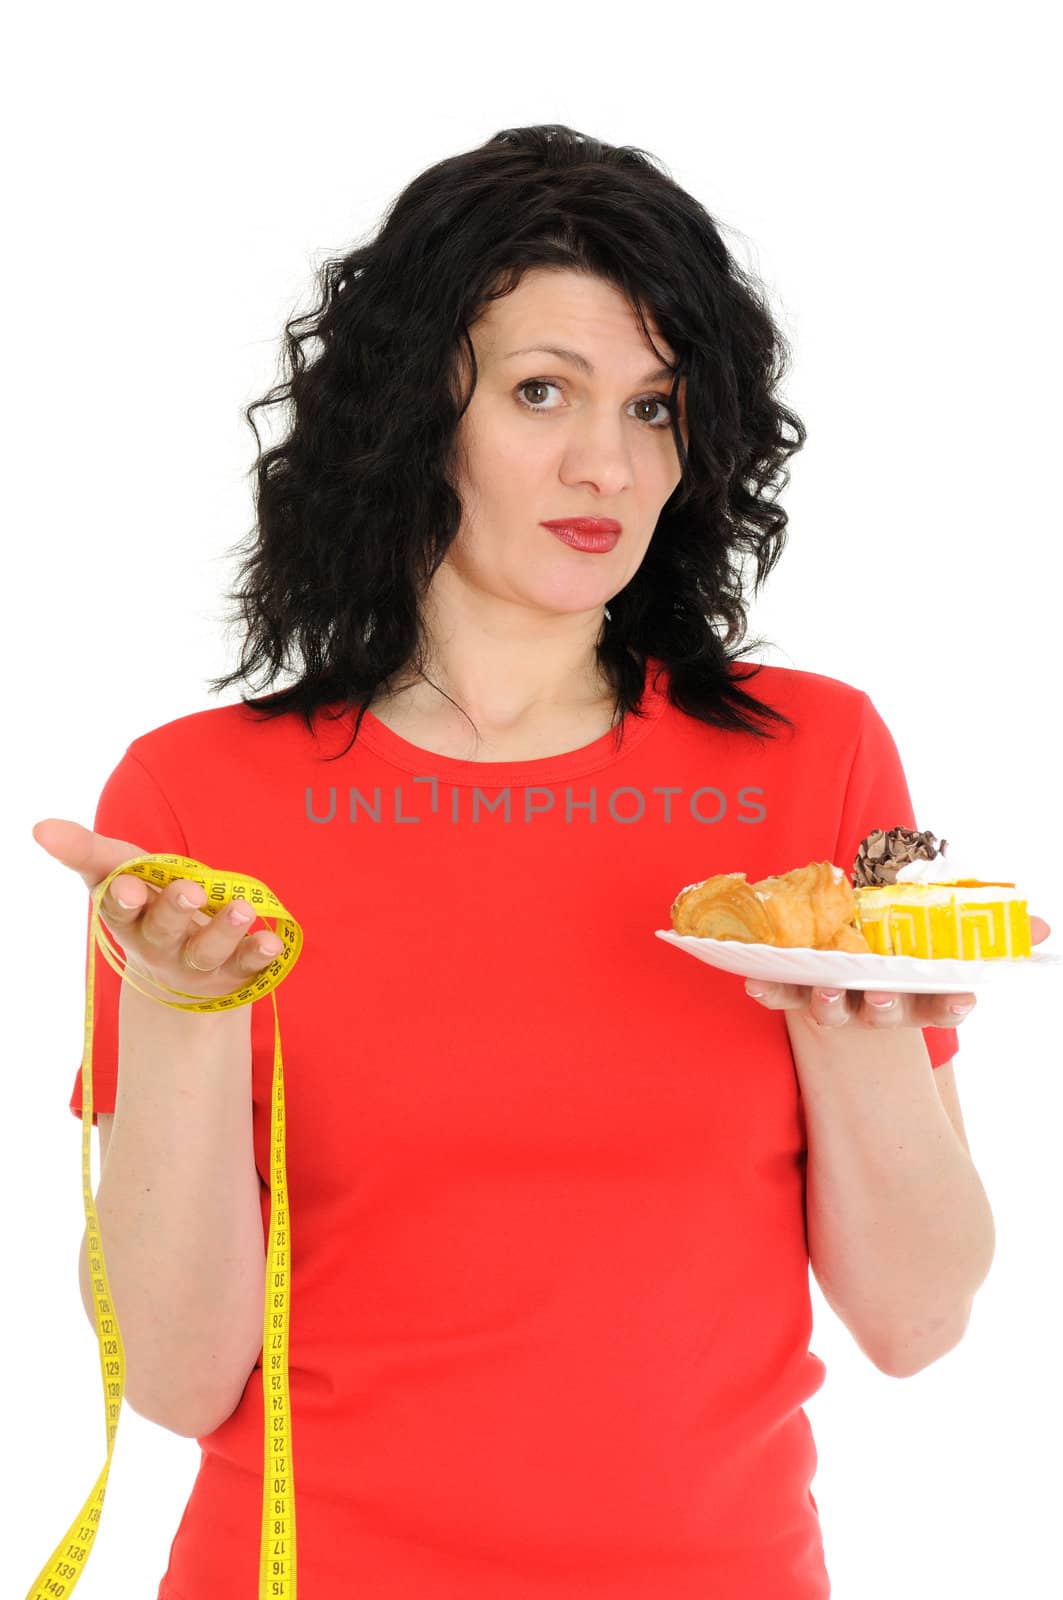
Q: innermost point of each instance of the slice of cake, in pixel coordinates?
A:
(913, 901)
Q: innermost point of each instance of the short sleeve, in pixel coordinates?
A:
(133, 807)
(877, 796)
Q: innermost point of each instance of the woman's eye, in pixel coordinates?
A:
(658, 400)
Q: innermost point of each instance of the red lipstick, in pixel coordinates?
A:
(586, 533)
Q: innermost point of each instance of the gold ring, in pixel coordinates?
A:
(187, 959)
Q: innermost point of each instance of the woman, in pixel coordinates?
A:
(550, 1306)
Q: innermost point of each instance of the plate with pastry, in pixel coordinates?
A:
(905, 919)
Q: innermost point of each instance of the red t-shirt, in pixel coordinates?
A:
(550, 1301)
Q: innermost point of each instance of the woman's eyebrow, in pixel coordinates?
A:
(578, 361)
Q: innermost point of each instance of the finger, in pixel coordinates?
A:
(936, 1010)
(777, 996)
(257, 950)
(952, 1008)
(165, 923)
(93, 856)
(882, 1010)
(211, 947)
(124, 899)
(830, 1007)
(253, 952)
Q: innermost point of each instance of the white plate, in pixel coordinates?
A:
(840, 969)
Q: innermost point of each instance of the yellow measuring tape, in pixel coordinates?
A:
(276, 1580)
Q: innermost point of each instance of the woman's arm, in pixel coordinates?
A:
(180, 1214)
(900, 1230)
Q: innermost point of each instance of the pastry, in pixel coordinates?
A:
(811, 907)
(905, 898)
(912, 900)
(723, 907)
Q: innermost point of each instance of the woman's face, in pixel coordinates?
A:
(543, 439)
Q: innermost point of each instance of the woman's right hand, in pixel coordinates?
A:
(161, 937)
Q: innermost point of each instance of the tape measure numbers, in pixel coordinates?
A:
(276, 1579)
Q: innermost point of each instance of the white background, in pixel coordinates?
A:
(172, 179)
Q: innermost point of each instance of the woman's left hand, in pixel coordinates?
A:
(867, 1008)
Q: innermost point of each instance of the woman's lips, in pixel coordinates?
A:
(587, 533)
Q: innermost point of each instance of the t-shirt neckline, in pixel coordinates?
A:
(601, 752)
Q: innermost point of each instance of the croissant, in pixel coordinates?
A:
(811, 907)
(724, 907)
(807, 906)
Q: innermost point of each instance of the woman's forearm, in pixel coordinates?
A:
(900, 1230)
(179, 1213)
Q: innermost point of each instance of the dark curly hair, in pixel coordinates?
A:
(355, 507)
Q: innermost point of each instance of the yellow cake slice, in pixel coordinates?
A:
(966, 919)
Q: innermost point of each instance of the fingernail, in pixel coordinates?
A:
(755, 991)
(882, 1001)
(961, 1011)
(830, 994)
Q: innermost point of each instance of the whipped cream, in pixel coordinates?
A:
(943, 869)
